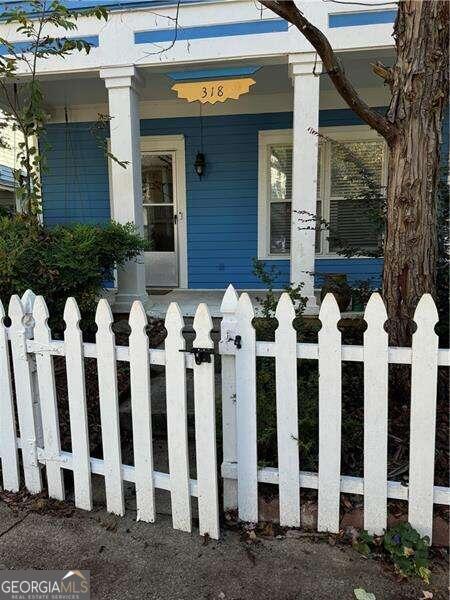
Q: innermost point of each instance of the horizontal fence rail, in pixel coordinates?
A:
(28, 341)
(239, 468)
(27, 388)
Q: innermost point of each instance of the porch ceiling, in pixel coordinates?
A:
(270, 79)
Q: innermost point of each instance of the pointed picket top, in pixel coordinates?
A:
(2, 311)
(103, 314)
(28, 300)
(375, 314)
(202, 326)
(138, 317)
(285, 310)
(229, 300)
(15, 311)
(72, 315)
(329, 314)
(245, 306)
(40, 310)
(174, 319)
(426, 313)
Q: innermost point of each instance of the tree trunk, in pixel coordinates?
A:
(419, 85)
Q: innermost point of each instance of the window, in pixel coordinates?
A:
(280, 194)
(340, 185)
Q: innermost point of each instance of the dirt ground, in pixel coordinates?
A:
(134, 560)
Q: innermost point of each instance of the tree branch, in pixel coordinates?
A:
(333, 66)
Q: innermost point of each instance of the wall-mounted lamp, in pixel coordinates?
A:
(199, 164)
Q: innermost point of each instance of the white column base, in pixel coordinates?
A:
(124, 301)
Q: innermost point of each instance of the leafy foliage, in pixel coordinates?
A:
(404, 546)
(62, 261)
(408, 551)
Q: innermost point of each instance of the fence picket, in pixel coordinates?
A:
(48, 401)
(246, 413)
(141, 413)
(423, 416)
(205, 428)
(227, 335)
(375, 416)
(24, 396)
(329, 416)
(8, 436)
(76, 390)
(287, 413)
(27, 300)
(177, 419)
(109, 408)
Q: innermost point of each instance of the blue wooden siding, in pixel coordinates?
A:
(221, 208)
(75, 186)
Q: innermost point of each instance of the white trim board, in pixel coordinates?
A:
(248, 104)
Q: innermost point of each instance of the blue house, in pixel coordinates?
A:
(215, 106)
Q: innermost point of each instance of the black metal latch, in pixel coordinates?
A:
(201, 355)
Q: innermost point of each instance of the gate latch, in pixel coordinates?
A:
(201, 355)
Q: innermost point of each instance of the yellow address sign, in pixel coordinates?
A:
(213, 91)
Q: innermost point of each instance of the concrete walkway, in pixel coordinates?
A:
(135, 561)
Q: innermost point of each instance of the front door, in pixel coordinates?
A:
(159, 196)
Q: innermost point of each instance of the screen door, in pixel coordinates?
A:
(160, 218)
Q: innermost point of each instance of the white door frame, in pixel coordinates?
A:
(175, 143)
(171, 143)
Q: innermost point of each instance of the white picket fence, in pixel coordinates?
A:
(36, 404)
(240, 469)
(32, 373)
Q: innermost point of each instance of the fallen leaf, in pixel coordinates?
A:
(426, 595)
(361, 594)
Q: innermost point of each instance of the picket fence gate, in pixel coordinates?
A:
(36, 403)
(29, 342)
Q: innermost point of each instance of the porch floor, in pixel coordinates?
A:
(188, 300)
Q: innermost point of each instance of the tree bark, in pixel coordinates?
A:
(419, 86)
(412, 128)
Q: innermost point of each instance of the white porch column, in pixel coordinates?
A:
(304, 177)
(122, 84)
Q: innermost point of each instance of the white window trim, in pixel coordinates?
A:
(284, 136)
(265, 139)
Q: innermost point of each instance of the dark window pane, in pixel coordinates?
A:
(157, 179)
(280, 227)
(158, 228)
(349, 160)
(352, 224)
(318, 225)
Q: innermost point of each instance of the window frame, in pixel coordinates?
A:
(267, 138)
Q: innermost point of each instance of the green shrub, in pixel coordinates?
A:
(62, 261)
(408, 551)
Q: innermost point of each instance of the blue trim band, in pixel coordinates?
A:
(212, 73)
(109, 4)
(24, 46)
(366, 17)
(211, 31)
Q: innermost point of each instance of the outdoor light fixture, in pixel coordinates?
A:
(199, 164)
